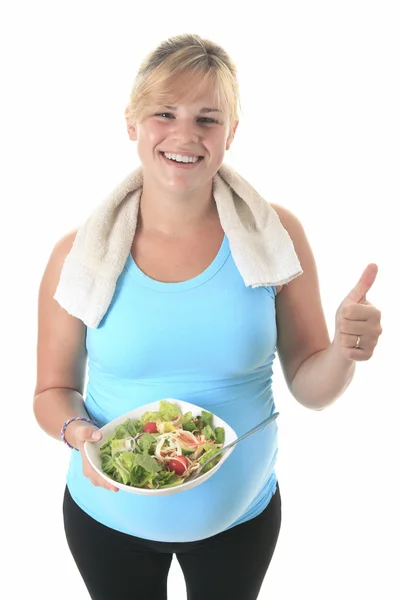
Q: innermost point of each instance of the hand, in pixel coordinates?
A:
(358, 317)
(79, 432)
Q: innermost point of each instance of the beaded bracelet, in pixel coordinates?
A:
(64, 427)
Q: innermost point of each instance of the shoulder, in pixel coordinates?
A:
(295, 229)
(63, 245)
(56, 260)
(61, 249)
(289, 220)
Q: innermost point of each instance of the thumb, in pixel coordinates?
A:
(359, 292)
(88, 434)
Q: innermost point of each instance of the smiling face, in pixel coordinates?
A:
(181, 147)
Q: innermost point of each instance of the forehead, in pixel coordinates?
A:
(200, 91)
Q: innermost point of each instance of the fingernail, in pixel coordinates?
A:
(95, 435)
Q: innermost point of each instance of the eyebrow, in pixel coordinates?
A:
(202, 110)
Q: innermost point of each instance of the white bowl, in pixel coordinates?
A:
(92, 449)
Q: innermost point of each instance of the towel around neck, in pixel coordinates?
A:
(261, 247)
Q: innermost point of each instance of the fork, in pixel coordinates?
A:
(195, 473)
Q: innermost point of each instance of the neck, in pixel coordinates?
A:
(176, 215)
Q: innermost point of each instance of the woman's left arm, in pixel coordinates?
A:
(318, 370)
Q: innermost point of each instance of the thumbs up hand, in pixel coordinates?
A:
(358, 322)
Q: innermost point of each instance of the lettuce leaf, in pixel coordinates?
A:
(208, 433)
(123, 464)
(148, 463)
(207, 417)
(107, 463)
(169, 411)
(219, 435)
(122, 431)
(145, 471)
(189, 426)
(150, 416)
(123, 445)
(213, 450)
(187, 417)
(134, 427)
(168, 479)
(146, 442)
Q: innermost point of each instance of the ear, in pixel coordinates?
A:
(132, 133)
(131, 127)
(231, 135)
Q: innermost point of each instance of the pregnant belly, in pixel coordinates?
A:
(192, 515)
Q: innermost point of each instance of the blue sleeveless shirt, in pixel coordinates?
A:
(210, 341)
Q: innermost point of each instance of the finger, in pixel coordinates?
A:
(95, 478)
(350, 340)
(358, 355)
(106, 484)
(360, 290)
(100, 482)
(358, 312)
(353, 327)
(111, 488)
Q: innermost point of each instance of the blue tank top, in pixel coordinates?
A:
(210, 341)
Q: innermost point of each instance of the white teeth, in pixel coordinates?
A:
(181, 158)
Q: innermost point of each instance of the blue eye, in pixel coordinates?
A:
(164, 114)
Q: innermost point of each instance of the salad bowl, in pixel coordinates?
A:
(153, 449)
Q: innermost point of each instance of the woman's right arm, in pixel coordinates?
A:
(61, 364)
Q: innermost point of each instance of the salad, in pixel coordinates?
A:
(162, 448)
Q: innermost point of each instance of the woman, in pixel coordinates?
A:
(183, 321)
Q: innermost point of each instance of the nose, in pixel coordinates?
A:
(186, 132)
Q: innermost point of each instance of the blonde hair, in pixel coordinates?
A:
(199, 63)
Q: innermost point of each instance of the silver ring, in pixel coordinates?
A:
(358, 342)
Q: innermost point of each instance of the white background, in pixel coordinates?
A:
(319, 134)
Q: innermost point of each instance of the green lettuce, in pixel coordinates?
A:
(150, 416)
(208, 433)
(148, 463)
(168, 479)
(169, 411)
(207, 417)
(123, 464)
(219, 435)
(204, 457)
(146, 442)
(120, 445)
(187, 417)
(107, 463)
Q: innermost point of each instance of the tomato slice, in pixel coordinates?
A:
(179, 464)
(150, 427)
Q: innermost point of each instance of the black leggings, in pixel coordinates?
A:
(231, 564)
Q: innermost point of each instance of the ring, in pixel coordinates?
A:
(358, 342)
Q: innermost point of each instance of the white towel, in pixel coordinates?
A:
(261, 248)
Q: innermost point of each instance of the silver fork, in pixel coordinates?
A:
(195, 473)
